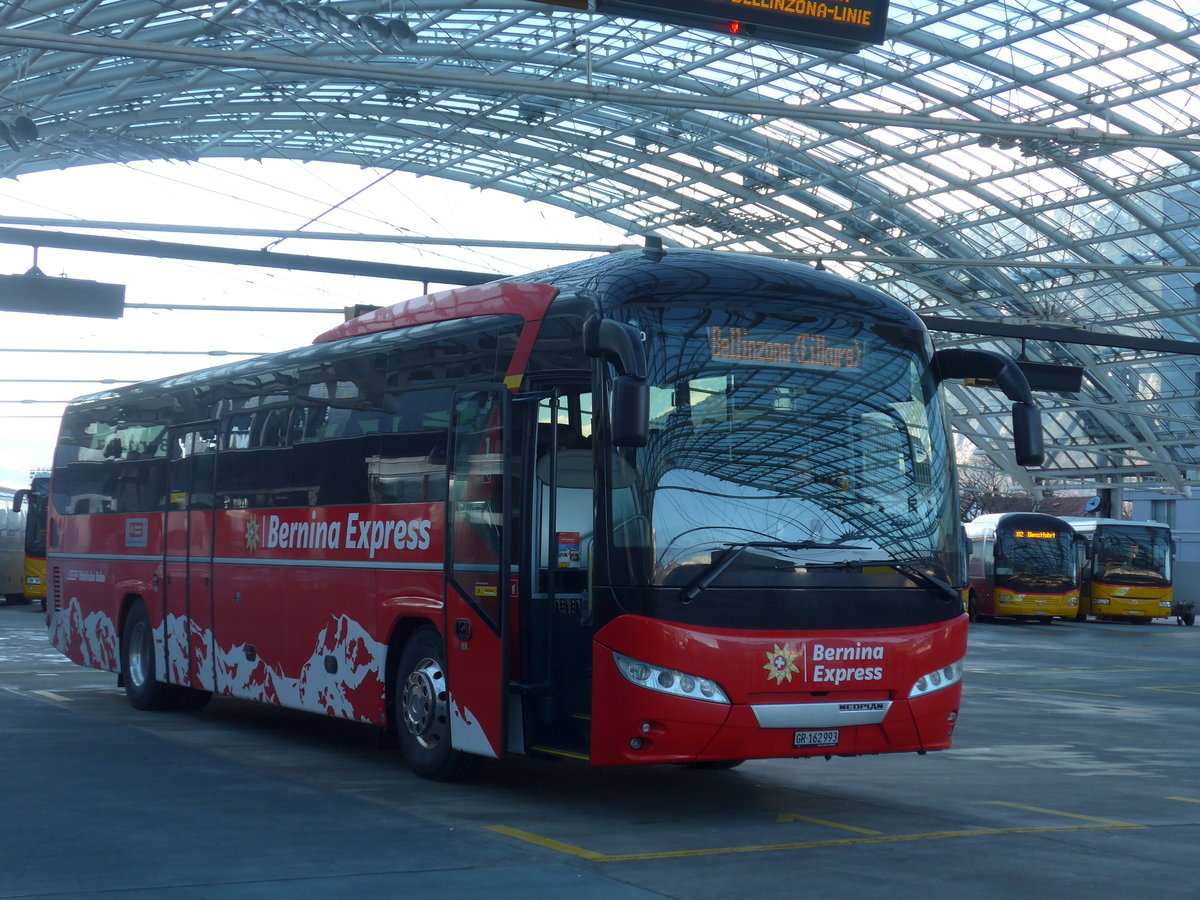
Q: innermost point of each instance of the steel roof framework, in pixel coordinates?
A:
(1033, 162)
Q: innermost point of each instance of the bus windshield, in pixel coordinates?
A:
(1032, 559)
(1133, 554)
(808, 441)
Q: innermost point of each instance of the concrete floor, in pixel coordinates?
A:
(1074, 774)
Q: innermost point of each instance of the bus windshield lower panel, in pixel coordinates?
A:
(798, 475)
(1133, 554)
(1028, 561)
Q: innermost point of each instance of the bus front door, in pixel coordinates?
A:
(478, 584)
(187, 557)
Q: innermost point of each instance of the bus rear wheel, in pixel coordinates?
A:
(142, 688)
(421, 711)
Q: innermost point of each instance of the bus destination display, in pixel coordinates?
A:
(834, 24)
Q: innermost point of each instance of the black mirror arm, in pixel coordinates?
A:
(985, 365)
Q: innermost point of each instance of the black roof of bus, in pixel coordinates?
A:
(682, 277)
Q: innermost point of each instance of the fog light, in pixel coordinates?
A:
(646, 728)
(635, 743)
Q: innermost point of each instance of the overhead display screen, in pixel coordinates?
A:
(834, 24)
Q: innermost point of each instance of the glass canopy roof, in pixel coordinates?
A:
(1026, 162)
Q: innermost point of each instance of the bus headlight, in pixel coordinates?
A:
(668, 681)
(937, 680)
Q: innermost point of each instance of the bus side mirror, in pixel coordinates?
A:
(630, 412)
(19, 499)
(1027, 434)
(621, 344)
(991, 369)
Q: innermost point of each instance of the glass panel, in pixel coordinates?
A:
(477, 501)
(811, 441)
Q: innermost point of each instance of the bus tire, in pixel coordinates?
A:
(421, 711)
(972, 607)
(142, 688)
(1188, 618)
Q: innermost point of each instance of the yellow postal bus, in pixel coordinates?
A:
(1126, 569)
(1022, 565)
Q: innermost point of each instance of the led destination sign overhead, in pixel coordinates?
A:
(834, 24)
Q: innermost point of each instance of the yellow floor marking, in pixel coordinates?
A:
(50, 695)
(1184, 799)
(1085, 693)
(567, 753)
(1067, 815)
(548, 843)
(796, 845)
(1170, 690)
(791, 817)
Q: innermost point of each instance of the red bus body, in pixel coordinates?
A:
(452, 591)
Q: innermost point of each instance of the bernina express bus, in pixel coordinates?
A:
(649, 508)
(1023, 565)
(32, 501)
(1126, 569)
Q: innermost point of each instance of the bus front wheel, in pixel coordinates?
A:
(421, 711)
(142, 688)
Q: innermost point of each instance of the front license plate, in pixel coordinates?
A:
(827, 738)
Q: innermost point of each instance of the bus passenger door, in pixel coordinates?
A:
(187, 557)
(478, 584)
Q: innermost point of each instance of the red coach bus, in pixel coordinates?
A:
(677, 507)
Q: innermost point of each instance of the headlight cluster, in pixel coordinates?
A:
(937, 680)
(668, 681)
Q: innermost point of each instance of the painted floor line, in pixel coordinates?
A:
(1065, 815)
(1185, 799)
(583, 853)
(51, 695)
(791, 817)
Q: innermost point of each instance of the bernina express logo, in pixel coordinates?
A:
(352, 532)
(781, 663)
(826, 663)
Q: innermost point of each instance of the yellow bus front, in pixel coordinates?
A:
(1040, 605)
(35, 578)
(1132, 601)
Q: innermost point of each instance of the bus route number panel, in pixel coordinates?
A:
(831, 24)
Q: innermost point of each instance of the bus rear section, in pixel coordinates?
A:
(33, 502)
(1126, 569)
(12, 546)
(1023, 565)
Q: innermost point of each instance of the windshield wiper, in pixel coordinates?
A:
(919, 576)
(715, 570)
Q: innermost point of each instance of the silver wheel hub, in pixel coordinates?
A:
(424, 703)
